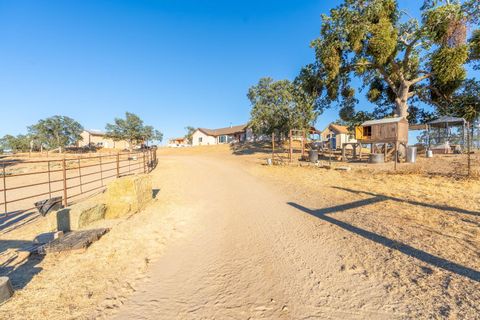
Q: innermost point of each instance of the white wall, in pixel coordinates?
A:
(206, 140)
(343, 138)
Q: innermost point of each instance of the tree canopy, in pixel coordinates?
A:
(133, 130)
(396, 56)
(56, 132)
(464, 103)
(189, 135)
(19, 143)
(278, 106)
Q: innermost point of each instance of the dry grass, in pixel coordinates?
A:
(420, 207)
(67, 286)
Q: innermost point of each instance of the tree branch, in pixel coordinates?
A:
(425, 76)
(408, 51)
(387, 79)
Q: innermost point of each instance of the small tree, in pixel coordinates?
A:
(396, 56)
(278, 106)
(150, 134)
(56, 132)
(19, 143)
(132, 130)
(189, 134)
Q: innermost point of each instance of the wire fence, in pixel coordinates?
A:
(24, 182)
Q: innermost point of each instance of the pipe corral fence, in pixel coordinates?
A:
(24, 182)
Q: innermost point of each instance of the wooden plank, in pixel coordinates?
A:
(73, 241)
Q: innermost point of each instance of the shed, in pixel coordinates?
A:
(387, 130)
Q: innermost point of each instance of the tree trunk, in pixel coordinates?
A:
(401, 102)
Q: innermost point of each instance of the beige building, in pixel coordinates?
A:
(337, 135)
(98, 139)
(203, 136)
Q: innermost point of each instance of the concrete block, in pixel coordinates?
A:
(6, 289)
(128, 195)
(76, 216)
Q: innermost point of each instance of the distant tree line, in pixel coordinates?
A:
(59, 132)
(402, 62)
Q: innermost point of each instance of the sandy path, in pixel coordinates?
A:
(248, 254)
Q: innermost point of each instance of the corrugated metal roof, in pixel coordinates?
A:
(380, 121)
(447, 119)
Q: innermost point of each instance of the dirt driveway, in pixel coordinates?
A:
(255, 250)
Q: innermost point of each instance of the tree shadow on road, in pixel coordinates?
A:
(387, 242)
(241, 149)
(412, 202)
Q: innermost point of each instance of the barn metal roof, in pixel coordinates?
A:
(380, 121)
(447, 119)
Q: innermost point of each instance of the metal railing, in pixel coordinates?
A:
(23, 182)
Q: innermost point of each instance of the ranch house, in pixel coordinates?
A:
(240, 133)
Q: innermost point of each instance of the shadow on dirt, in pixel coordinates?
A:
(14, 220)
(387, 242)
(22, 273)
(240, 149)
(412, 202)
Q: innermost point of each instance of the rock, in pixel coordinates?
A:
(128, 195)
(77, 216)
(6, 289)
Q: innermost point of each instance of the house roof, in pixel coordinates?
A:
(380, 121)
(338, 128)
(95, 132)
(224, 131)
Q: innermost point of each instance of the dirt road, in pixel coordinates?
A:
(252, 252)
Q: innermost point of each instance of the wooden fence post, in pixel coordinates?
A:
(49, 181)
(273, 145)
(64, 169)
(101, 171)
(144, 162)
(80, 174)
(291, 146)
(118, 164)
(5, 190)
(469, 163)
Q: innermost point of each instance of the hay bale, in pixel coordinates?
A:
(128, 195)
(77, 216)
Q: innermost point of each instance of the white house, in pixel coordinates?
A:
(337, 135)
(240, 133)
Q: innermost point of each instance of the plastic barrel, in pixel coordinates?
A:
(411, 154)
(377, 158)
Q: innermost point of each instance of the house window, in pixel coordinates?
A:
(200, 140)
(222, 139)
(367, 131)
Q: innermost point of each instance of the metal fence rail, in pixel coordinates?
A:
(24, 182)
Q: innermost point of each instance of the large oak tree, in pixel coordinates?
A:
(398, 57)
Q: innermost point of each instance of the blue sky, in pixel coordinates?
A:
(174, 63)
